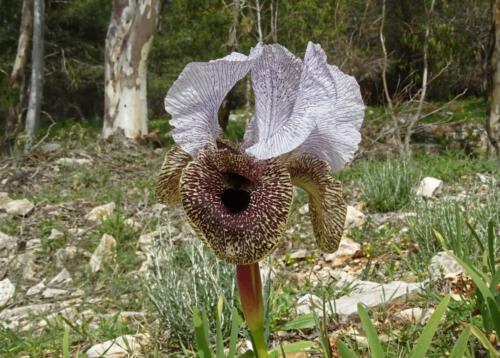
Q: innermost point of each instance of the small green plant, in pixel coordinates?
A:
(387, 187)
(375, 346)
(186, 275)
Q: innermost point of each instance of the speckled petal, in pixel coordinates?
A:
(238, 205)
(195, 98)
(167, 187)
(326, 205)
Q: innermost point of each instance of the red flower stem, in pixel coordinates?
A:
(250, 286)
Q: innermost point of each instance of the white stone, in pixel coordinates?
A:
(54, 293)
(304, 209)
(430, 187)
(73, 162)
(354, 218)
(20, 207)
(146, 241)
(415, 315)
(62, 278)
(7, 290)
(55, 234)
(443, 265)
(37, 289)
(4, 200)
(372, 294)
(486, 179)
(123, 346)
(103, 252)
(50, 147)
(299, 254)
(101, 212)
(8, 245)
(133, 224)
(33, 244)
(348, 248)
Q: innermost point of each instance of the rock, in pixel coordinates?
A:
(308, 303)
(50, 147)
(61, 279)
(157, 208)
(369, 293)
(8, 245)
(146, 241)
(33, 245)
(20, 207)
(101, 212)
(54, 293)
(486, 179)
(133, 224)
(348, 249)
(103, 252)
(429, 187)
(55, 234)
(415, 315)
(37, 289)
(73, 162)
(4, 200)
(4, 262)
(123, 346)
(443, 265)
(26, 263)
(7, 290)
(354, 218)
(299, 254)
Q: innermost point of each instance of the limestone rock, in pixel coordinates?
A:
(50, 147)
(430, 187)
(348, 249)
(73, 162)
(55, 234)
(442, 264)
(37, 289)
(103, 252)
(8, 245)
(54, 293)
(20, 207)
(123, 346)
(61, 279)
(7, 290)
(299, 254)
(415, 315)
(4, 200)
(354, 218)
(101, 212)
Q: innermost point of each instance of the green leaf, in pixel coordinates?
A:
(346, 352)
(200, 322)
(458, 350)
(425, 339)
(247, 354)
(484, 341)
(371, 334)
(219, 349)
(66, 342)
(300, 322)
(491, 247)
(235, 328)
(295, 347)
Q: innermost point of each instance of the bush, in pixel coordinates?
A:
(185, 275)
(387, 186)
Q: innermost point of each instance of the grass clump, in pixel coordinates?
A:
(387, 186)
(185, 275)
(451, 218)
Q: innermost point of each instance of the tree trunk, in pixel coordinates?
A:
(13, 123)
(493, 121)
(128, 43)
(36, 87)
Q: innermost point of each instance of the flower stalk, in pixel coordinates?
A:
(252, 303)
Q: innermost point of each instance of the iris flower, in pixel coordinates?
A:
(306, 125)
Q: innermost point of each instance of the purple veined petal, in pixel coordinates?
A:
(278, 83)
(195, 98)
(338, 117)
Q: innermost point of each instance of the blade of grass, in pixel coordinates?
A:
(235, 327)
(219, 349)
(66, 342)
(295, 347)
(425, 339)
(346, 352)
(371, 334)
(484, 341)
(201, 333)
(458, 350)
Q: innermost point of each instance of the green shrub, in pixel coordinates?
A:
(387, 186)
(185, 275)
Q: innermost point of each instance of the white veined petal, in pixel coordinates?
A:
(194, 99)
(336, 135)
(277, 82)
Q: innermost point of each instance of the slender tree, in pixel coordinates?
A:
(36, 87)
(493, 120)
(128, 43)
